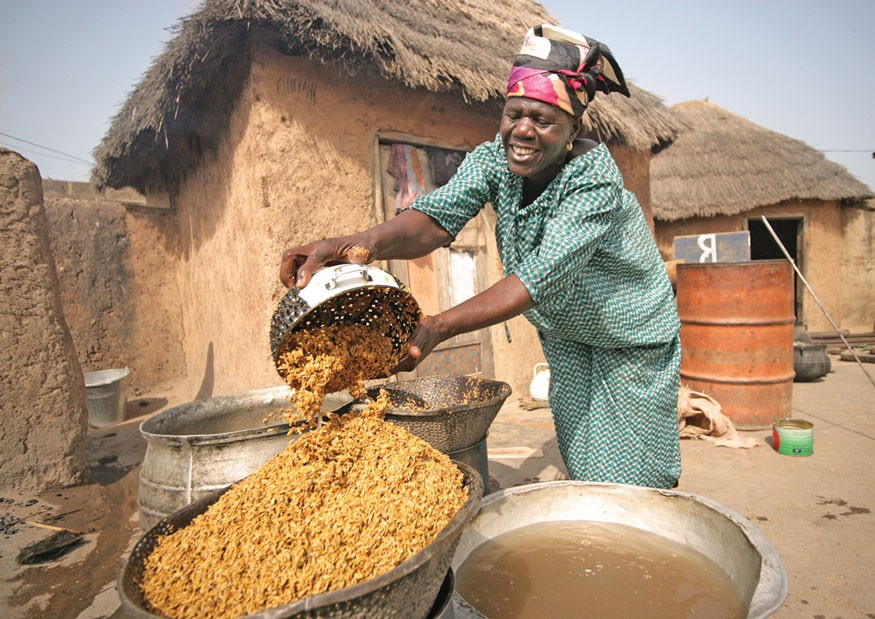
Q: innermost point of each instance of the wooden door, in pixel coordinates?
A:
(447, 276)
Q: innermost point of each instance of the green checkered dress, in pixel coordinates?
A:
(604, 308)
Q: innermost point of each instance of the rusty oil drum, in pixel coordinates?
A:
(737, 337)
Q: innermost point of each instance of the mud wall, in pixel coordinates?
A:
(115, 259)
(42, 390)
(635, 167)
(858, 266)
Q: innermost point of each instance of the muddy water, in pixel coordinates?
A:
(589, 569)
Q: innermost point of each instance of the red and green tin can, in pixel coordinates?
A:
(793, 437)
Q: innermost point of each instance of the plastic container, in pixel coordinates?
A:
(539, 388)
(107, 396)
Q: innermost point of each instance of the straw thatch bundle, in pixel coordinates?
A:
(182, 104)
(723, 164)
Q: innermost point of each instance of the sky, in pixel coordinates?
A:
(802, 68)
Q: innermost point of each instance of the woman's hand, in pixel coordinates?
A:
(299, 263)
(409, 235)
(501, 301)
(428, 334)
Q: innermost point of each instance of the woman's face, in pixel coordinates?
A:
(535, 136)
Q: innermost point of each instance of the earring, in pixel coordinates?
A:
(569, 146)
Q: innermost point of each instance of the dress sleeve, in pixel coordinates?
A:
(469, 189)
(579, 219)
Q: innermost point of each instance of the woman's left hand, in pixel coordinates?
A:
(501, 301)
(427, 335)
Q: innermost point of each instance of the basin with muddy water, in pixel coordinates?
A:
(573, 548)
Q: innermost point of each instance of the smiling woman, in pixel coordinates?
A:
(579, 262)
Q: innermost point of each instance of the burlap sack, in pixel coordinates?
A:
(701, 417)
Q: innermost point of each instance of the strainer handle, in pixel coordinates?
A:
(340, 272)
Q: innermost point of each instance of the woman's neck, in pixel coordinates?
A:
(534, 186)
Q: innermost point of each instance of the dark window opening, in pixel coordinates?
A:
(764, 247)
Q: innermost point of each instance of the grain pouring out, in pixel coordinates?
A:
(349, 500)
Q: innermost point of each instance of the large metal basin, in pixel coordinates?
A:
(409, 591)
(722, 535)
(196, 448)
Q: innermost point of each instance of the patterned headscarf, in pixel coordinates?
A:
(563, 68)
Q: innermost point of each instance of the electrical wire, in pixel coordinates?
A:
(28, 150)
(60, 152)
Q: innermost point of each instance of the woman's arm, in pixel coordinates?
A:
(433, 221)
(501, 301)
(411, 234)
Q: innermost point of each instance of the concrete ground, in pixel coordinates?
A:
(816, 511)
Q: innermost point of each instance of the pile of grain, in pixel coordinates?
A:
(346, 502)
(341, 505)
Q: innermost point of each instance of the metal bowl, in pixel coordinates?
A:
(719, 533)
(451, 413)
(407, 592)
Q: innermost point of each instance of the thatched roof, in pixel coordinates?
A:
(182, 103)
(724, 164)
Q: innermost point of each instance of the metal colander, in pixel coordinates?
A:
(451, 413)
(407, 592)
(345, 295)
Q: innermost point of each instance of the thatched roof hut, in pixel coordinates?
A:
(724, 164)
(180, 107)
(269, 123)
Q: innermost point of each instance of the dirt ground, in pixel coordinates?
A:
(815, 511)
(103, 512)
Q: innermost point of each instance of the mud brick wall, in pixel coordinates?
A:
(42, 390)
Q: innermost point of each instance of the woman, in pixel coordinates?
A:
(579, 260)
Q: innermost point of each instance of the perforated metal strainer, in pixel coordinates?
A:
(451, 413)
(347, 294)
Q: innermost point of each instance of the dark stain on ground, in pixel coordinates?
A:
(763, 518)
(850, 510)
(105, 509)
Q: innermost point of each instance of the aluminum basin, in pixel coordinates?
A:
(719, 533)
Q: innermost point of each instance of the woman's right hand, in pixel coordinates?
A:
(299, 263)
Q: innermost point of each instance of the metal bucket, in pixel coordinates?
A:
(477, 457)
(722, 535)
(107, 396)
(410, 591)
(737, 337)
(194, 449)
